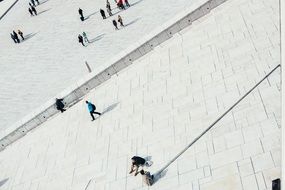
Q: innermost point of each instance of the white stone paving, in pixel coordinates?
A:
(51, 60)
(160, 104)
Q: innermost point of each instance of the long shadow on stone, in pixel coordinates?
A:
(43, 2)
(158, 176)
(3, 181)
(137, 2)
(28, 36)
(96, 39)
(132, 22)
(110, 108)
(87, 17)
(43, 11)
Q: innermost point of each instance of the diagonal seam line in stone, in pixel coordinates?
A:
(216, 121)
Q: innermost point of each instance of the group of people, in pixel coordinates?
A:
(136, 161)
(82, 39)
(32, 9)
(91, 107)
(15, 37)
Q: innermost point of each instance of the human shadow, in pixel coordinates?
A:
(43, 2)
(109, 108)
(28, 36)
(132, 22)
(3, 181)
(87, 17)
(158, 175)
(96, 39)
(43, 11)
(137, 2)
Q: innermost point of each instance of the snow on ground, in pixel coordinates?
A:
(51, 58)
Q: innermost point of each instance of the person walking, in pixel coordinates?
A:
(13, 38)
(38, 2)
(102, 12)
(59, 105)
(120, 20)
(81, 14)
(147, 178)
(80, 39)
(91, 108)
(16, 36)
(31, 12)
(85, 37)
(34, 10)
(115, 24)
(127, 3)
(109, 9)
(109, 12)
(136, 163)
(108, 5)
(21, 34)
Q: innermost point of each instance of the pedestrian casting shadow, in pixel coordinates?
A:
(132, 22)
(109, 108)
(157, 176)
(28, 36)
(44, 11)
(96, 39)
(3, 181)
(87, 17)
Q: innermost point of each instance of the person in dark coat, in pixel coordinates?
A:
(31, 12)
(34, 10)
(115, 24)
(16, 36)
(147, 178)
(80, 39)
(21, 34)
(38, 2)
(120, 20)
(136, 163)
(13, 38)
(102, 12)
(91, 108)
(81, 14)
(59, 105)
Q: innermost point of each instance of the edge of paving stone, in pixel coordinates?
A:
(113, 66)
(11, 6)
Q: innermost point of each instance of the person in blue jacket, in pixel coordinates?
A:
(91, 108)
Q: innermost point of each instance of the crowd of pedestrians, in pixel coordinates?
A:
(121, 4)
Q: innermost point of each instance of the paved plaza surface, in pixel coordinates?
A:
(163, 101)
(51, 59)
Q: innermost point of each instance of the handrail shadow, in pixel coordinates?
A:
(3, 181)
